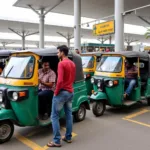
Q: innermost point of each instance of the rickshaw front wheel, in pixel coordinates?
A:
(6, 131)
(98, 108)
(80, 114)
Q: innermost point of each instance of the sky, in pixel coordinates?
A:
(9, 12)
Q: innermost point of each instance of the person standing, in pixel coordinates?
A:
(63, 96)
(77, 51)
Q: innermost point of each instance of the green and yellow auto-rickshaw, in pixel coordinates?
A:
(109, 80)
(19, 90)
(89, 63)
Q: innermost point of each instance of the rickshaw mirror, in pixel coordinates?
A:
(141, 65)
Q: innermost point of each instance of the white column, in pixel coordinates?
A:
(68, 42)
(119, 25)
(23, 40)
(77, 26)
(41, 28)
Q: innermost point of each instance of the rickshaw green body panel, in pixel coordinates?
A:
(147, 93)
(7, 114)
(23, 107)
(21, 111)
(99, 96)
(113, 95)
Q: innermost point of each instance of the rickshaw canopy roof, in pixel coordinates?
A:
(40, 52)
(91, 53)
(53, 52)
(5, 53)
(131, 54)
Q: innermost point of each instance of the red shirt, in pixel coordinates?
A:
(66, 76)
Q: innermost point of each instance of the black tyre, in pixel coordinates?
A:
(98, 108)
(80, 114)
(6, 131)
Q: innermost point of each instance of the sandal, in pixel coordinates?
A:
(52, 144)
(64, 139)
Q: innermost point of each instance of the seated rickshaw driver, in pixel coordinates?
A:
(47, 79)
(1, 67)
(90, 64)
(130, 77)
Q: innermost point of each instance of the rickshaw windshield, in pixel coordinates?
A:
(19, 67)
(87, 61)
(110, 64)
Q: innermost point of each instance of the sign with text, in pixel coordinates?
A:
(104, 28)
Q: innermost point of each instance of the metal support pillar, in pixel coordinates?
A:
(77, 24)
(23, 40)
(4, 43)
(102, 39)
(119, 25)
(41, 28)
(68, 37)
(42, 15)
(110, 39)
(37, 44)
(68, 42)
(23, 35)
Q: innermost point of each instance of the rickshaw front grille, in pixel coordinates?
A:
(101, 80)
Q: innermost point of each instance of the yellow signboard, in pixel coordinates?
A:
(104, 28)
(147, 48)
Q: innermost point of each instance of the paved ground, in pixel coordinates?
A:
(127, 129)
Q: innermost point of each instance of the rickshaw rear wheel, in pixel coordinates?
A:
(148, 101)
(80, 114)
(6, 131)
(98, 108)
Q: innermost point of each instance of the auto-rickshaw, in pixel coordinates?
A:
(19, 90)
(109, 80)
(89, 63)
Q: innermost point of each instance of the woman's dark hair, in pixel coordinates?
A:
(63, 48)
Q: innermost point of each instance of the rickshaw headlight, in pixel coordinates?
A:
(99, 84)
(3, 105)
(84, 76)
(1, 97)
(92, 80)
(110, 83)
(15, 96)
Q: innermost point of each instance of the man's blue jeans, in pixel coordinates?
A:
(132, 83)
(63, 100)
(45, 99)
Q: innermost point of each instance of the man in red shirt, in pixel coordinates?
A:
(63, 96)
